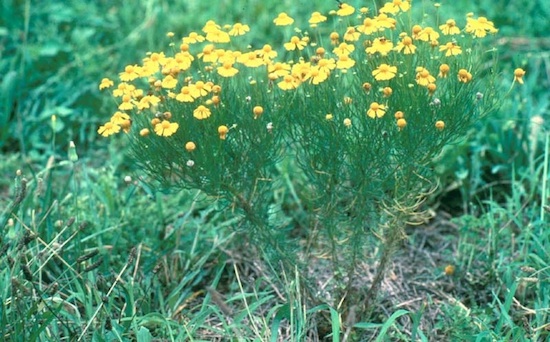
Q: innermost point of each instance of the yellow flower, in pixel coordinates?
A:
(239, 29)
(222, 131)
(166, 128)
(295, 43)
(185, 95)
(207, 55)
(334, 38)
(444, 70)
(449, 270)
(406, 45)
(368, 27)
(126, 103)
(218, 36)
(380, 45)
(401, 123)
(300, 70)
(106, 83)
(384, 72)
(329, 117)
(518, 75)
(451, 48)
(376, 110)
(283, 19)
(479, 27)
(464, 76)
(227, 70)
(351, 35)
(449, 28)
(201, 113)
(279, 69)
(423, 77)
(367, 86)
(440, 125)
(344, 62)
(210, 26)
(251, 59)
(119, 117)
(347, 122)
(200, 89)
(416, 30)
(108, 128)
(399, 115)
(395, 6)
(428, 34)
(190, 146)
(343, 49)
(431, 88)
(326, 65)
(258, 111)
(131, 72)
(384, 22)
(316, 76)
(387, 91)
(267, 53)
(193, 38)
(317, 18)
(144, 132)
(169, 82)
(345, 10)
(288, 83)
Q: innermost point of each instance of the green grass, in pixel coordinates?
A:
(86, 253)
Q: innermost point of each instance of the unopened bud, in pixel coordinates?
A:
(72, 152)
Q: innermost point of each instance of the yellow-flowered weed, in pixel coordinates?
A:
(361, 100)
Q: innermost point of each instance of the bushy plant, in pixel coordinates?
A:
(361, 103)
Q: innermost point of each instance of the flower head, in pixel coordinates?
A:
(380, 45)
(239, 29)
(395, 6)
(344, 62)
(258, 111)
(190, 146)
(423, 76)
(406, 45)
(222, 131)
(317, 18)
(368, 27)
(444, 70)
(295, 44)
(376, 110)
(464, 76)
(345, 10)
(401, 123)
(518, 75)
(479, 27)
(201, 113)
(166, 128)
(347, 122)
(428, 34)
(451, 49)
(384, 72)
(283, 20)
(288, 82)
(108, 129)
(106, 83)
(227, 69)
(449, 28)
(440, 125)
(449, 270)
(193, 38)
